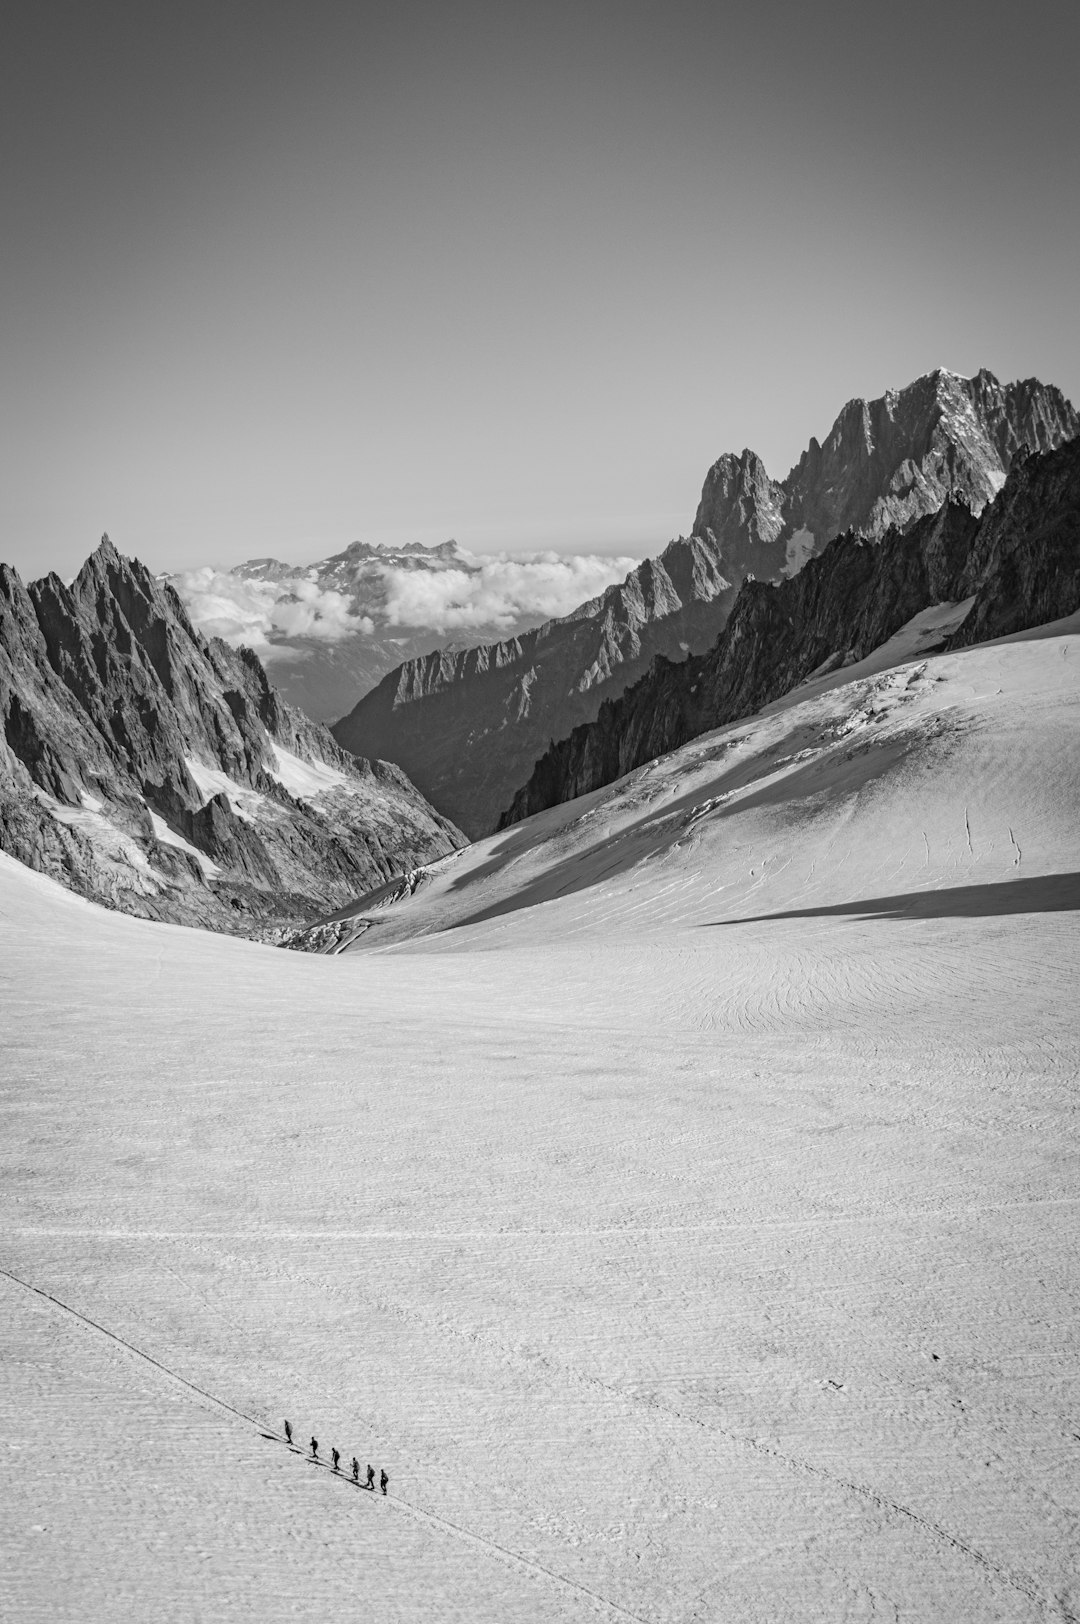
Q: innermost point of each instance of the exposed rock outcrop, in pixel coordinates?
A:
(160, 773)
(468, 726)
(1019, 561)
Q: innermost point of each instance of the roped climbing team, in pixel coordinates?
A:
(335, 1456)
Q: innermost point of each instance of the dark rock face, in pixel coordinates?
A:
(1020, 561)
(1024, 565)
(468, 726)
(159, 773)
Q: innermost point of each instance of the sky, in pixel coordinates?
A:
(276, 277)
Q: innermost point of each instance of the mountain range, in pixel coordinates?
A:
(328, 631)
(1014, 567)
(158, 772)
(469, 725)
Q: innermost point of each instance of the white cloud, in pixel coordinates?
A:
(493, 592)
(498, 590)
(259, 613)
(320, 612)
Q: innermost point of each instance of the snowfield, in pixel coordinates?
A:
(677, 1194)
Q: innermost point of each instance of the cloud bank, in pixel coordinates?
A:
(263, 613)
(498, 590)
(495, 593)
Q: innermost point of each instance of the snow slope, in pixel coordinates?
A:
(677, 1193)
(897, 775)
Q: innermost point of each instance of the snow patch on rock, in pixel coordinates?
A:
(306, 779)
(169, 837)
(800, 547)
(212, 781)
(111, 843)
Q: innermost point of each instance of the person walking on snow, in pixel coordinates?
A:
(370, 1479)
(355, 1470)
(337, 1457)
(314, 1448)
(288, 1434)
(383, 1481)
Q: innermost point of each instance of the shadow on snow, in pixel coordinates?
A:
(1044, 893)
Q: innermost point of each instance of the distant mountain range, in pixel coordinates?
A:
(1014, 567)
(328, 631)
(468, 725)
(158, 772)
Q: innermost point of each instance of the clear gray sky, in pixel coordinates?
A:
(278, 276)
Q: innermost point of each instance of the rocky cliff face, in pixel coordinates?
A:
(159, 773)
(883, 465)
(1019, 563)
(467, 727)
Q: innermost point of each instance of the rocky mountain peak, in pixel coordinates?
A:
(362, 552)
(105, 550)
(266, 569)
(884, 463)
(160, 773)
(741, 510)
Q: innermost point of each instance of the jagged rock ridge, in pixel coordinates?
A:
(883, 465)
(160, 773)
(1019, 562)
(468, 726)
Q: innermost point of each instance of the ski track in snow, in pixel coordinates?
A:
(677, 1194)
(616, 1230)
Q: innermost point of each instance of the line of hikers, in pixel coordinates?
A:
(336, 1457)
